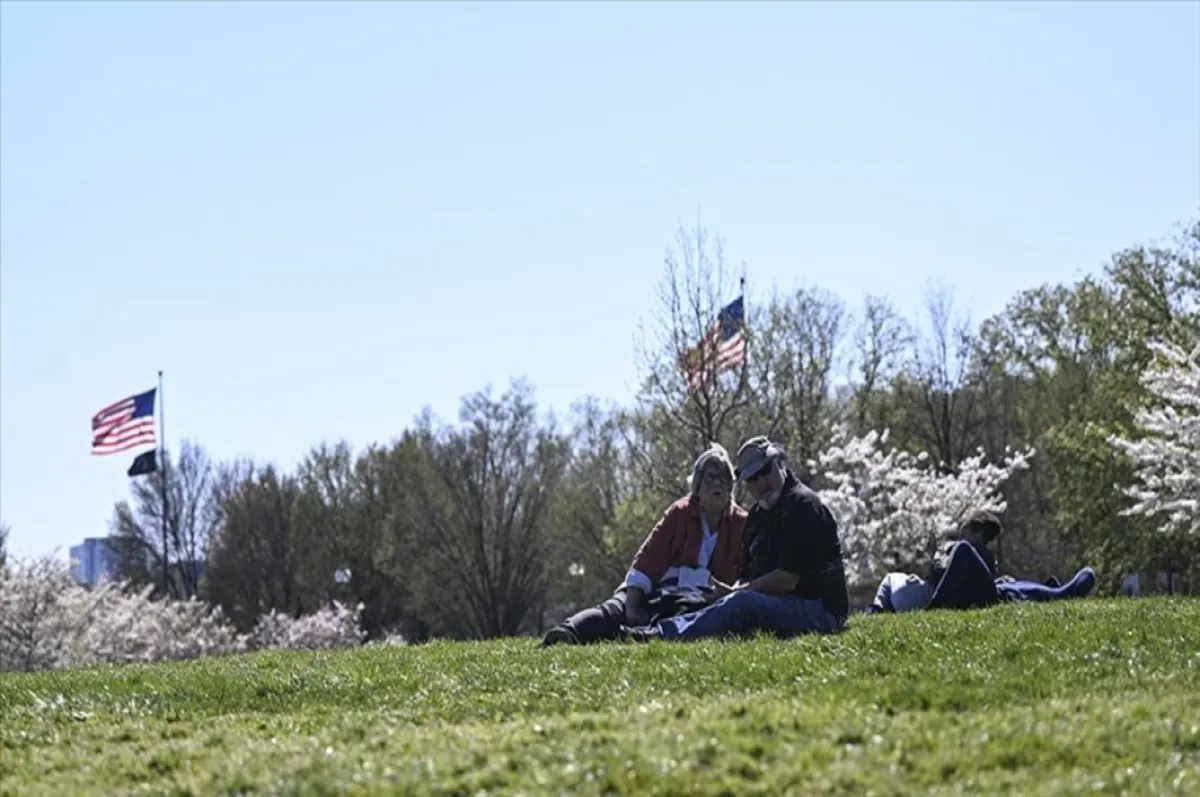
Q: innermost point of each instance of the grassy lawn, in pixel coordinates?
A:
(1074, 698)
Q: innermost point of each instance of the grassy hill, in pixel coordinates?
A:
(1073, 698)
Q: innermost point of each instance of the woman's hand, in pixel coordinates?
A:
(720, 590)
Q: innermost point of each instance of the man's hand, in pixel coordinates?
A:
(777, 582)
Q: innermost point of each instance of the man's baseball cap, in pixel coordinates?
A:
(754, 455)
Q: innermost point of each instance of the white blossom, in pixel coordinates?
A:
(49, 621)
(1167, 457)
(894, 509)
(335, 627)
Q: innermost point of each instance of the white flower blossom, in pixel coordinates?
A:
(893, 509)
(334, 627)
(1167, 457)
(49, 621)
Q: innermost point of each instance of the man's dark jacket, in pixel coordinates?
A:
(799, 535)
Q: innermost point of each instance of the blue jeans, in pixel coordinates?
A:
(1077, 587)
(900, 592)
(967, 584)
(746, 611)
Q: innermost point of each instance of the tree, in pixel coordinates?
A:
(1159, 288)
(3, 545)
(162, 539)
(676, 419)
(256, 551)
(894, 509)
(783, 387)
(939, 394)
(796, 357)
(881, 337)
(1167, 458)
(1057, 345)
(1077, 351)
(595, 512)
(31, 627)
(483, 499)
(359, 525)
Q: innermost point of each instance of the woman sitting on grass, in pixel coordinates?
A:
(964, 576)
(689, 558)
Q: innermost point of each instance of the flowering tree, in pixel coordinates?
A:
(329, 628)
(894, 508)
(1167, 457)
(48, 621)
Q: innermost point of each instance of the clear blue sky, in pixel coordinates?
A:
(319, 218)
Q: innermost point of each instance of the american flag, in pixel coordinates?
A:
(124, 425)
(723, 348)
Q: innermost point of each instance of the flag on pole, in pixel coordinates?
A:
(124, 425)
(722, 349)
(144, 463)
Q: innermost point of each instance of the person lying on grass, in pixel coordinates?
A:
(792, 577)
(964, 576)
(690, 557)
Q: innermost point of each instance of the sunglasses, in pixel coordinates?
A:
(757, 476)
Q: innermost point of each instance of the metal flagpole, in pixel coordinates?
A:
(745, 327)
(745, 314)
(162, 466)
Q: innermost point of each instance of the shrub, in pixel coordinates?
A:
(49, 621)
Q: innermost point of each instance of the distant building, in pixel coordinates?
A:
(92, 561)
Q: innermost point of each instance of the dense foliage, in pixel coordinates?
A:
(1073, 411)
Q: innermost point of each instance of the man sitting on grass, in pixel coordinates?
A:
(964, 576)
(792, 578)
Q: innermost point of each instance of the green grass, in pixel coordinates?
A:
(1087, 697)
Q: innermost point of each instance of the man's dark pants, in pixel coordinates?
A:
(967, 583)
(604, 621)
